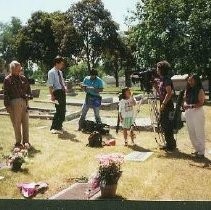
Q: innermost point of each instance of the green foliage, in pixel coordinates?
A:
(177, 30)
(80, 71)
(8, 36)
(39, 75)
(95, 26)
(77, 72)
(36, 41)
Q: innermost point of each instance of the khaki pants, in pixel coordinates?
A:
(195, 120)
(20, 119)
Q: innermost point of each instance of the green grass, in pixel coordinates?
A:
(58, 159)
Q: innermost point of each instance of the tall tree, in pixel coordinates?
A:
(118, 56)
(36, 41)
(96, 27)
(200, 38)
(8, 36)
(177, 30)
(69, 42)
(158, 34)
(45, 36)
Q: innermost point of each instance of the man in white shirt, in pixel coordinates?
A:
(57, 90)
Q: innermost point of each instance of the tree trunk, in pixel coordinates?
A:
(87, 53)
(209, 84)
(116, 77)
(127, 77)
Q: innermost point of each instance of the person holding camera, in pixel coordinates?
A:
(92, 85)
(194, 114)
(17, 92)
(165, 90)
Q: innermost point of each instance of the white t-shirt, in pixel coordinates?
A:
(126, 107)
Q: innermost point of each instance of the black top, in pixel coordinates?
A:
(192, 95)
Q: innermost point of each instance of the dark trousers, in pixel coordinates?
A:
(166, 120)
(59, 116)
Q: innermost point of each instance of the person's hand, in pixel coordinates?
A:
(188, 106)
(185, 106)
(155, 84)
(52, 98)
(162, 107)
(90, 88)
(8, 109)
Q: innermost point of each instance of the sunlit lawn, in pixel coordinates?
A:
(57, 160)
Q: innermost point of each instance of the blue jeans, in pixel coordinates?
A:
(85, 109)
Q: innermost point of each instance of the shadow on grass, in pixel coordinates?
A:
(198, 162)
(22, 170)
(68, 136)
(138, 148)
(117, 197)
(32, 152)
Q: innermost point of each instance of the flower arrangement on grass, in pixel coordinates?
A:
(109, 170)
(16, 159)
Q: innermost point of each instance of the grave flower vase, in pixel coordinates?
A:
(16, 166)
(108, 191)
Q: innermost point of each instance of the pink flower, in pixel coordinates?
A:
(16, 149)
(94, 181)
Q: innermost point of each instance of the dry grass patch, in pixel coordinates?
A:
(57, 160)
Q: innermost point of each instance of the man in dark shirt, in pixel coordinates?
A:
(165, 91)
(16, 94)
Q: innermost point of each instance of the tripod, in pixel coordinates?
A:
(155, 120)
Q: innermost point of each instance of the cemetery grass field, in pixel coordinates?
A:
(59, 159)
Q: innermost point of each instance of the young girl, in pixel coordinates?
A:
(126, 113)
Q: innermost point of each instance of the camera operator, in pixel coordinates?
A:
(17, 92)
(165, 90)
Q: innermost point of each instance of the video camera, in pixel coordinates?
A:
(146, 78)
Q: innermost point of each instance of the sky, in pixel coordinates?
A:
(24, 8)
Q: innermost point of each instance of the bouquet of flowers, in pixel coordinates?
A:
(109, 170)
(16, 159)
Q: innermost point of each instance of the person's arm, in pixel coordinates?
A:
(51, 92)
(201, 99)
(121, 107)
(133, 101)
(28, 91)
(6, 95)
(65, 87)
(84, 85)
(156, 87)
(98, 90)
(167, 97)
(50, 84)
(185, 105)
(100, 87)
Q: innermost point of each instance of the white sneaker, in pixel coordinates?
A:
(53, 131)
(60, 132)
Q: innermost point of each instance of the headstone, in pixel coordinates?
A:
(36, 93)
(179, 81)
(107, 100)
(77, 191)
(138, 156)
(70, 88)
